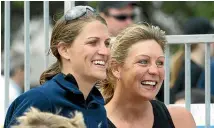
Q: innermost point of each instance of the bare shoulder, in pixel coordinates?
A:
(181, 117)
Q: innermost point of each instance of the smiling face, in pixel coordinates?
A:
(142, 72)
(89, 53)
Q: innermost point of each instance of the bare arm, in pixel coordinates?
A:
(181, 117)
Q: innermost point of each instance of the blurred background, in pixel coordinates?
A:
(169, 15)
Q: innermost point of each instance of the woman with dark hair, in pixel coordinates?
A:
(79, 41)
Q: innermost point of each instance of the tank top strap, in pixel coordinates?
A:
(162, 117)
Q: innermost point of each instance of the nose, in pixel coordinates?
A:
(103, 50)
(153, 70)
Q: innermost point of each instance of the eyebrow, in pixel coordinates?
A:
(150, 57)
(108, 39)
(93, 37)
(161, 56)
(142, 55)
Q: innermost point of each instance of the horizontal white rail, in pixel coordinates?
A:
(191, 39)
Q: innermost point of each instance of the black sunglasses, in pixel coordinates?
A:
(78, 11)
(123, 17)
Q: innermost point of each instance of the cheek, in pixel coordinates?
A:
(128, 74)
(162, 73)
(139, 72)
(108, 54)
(118, 24)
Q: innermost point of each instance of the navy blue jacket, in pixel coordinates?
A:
(60, 93)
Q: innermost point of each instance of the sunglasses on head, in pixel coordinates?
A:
(78, 11)
(123, 17)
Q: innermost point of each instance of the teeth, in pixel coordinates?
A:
(148, 83)
(99, 62)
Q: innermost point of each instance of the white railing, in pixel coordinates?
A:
(172, 39)
(187, 40)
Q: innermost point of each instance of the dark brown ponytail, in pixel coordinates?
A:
(49, 73)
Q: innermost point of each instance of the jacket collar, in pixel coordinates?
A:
(69, 83)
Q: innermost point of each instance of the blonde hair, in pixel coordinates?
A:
(176, 63)
(35, 118)
(65, 31)
(119, 50)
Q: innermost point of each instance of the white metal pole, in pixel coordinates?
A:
(68, 5)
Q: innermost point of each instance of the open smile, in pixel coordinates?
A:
(149, 85)
(99, 63)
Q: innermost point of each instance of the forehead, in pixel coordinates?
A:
(94, 29)
(127, 9)
(146, 47)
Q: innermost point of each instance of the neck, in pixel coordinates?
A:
(123, 107)
(84, 84)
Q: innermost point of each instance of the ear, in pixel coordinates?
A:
(115, 68)
(63, 50)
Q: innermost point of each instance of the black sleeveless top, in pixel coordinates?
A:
(162, 118)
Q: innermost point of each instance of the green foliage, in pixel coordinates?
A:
(205, 9)
(18, 4)
(189, 8)
(93, 3)
(57, 16)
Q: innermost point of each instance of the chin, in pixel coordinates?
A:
(151, 98)
(100, 76)
(148, 97)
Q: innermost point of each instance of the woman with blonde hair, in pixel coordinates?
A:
(79, 41)
(134, 77)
